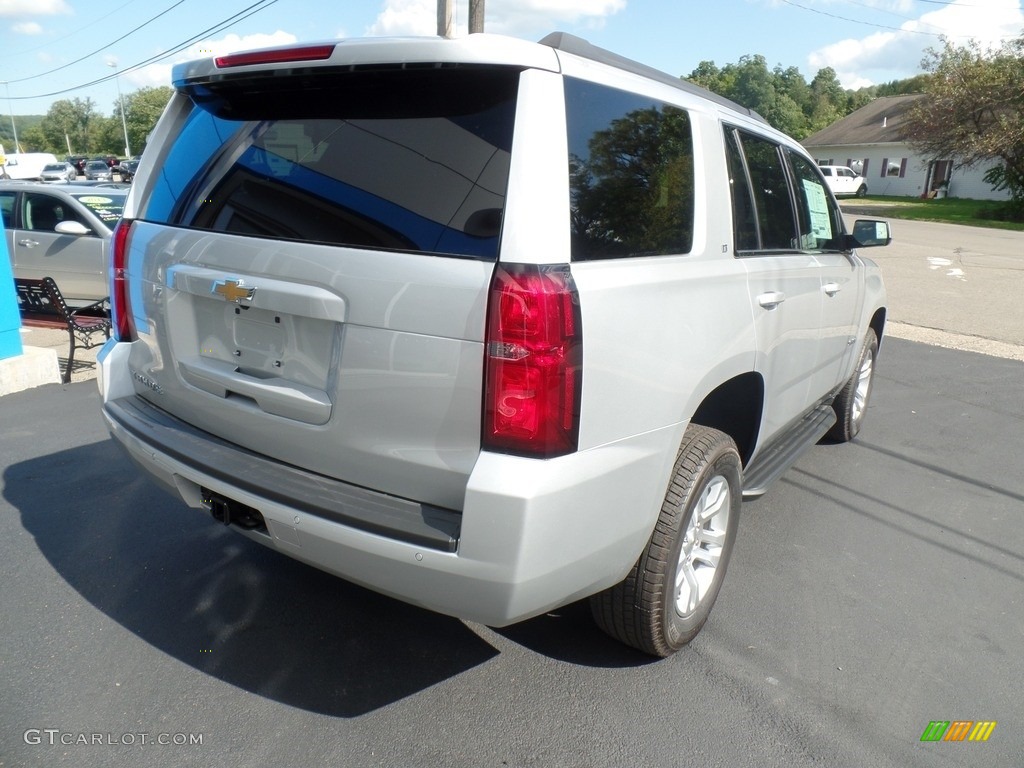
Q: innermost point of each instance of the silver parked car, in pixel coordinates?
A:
(486, 325)
(62, 232)
(64, 172)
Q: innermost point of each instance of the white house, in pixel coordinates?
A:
(872, 142)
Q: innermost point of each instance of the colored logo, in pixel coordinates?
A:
(233, 290)
(958, 730)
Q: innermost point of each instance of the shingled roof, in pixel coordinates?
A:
(881, 121)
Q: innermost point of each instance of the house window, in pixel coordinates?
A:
(894, 168)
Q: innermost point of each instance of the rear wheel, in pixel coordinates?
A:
(851, 403)
(667, 596)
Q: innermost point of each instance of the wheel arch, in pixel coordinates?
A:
(877, 324)
(735, 407)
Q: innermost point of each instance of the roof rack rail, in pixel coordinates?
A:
(563, 41)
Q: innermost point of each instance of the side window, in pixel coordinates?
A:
(41, 213)
(7, 208)
(819, 221)
(775, 215)
(744, 220)
(630, 174)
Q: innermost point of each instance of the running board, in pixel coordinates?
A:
(771, 463)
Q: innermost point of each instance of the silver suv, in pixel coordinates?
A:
(485, 325)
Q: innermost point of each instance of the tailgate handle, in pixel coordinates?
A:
(279, 397)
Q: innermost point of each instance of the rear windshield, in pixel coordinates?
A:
(410, 160)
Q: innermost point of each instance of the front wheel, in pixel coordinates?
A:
(862, 190)
(665, 599)
(851, 403)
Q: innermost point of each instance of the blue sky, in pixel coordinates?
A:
(63, 49)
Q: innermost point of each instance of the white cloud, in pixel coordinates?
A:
(507, 17)
(894, 55)
(160, 74)
(406, 17)
(526, 17)
(28, 28)
(12, 8)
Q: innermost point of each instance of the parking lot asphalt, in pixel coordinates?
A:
(875, 589)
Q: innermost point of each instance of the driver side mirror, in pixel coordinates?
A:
(868, 233)
(72, 228)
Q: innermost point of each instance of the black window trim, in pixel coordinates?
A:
(782, 152)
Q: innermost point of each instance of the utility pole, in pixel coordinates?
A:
(476, 16)
(120, 102)
(444, 18)
(14, 128)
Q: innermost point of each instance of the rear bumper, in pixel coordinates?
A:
(532, 535)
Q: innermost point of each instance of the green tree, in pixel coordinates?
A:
(68, 121)
(973, 111)
(31, 139)
(108, 136)
(142, 109)
(780, 96)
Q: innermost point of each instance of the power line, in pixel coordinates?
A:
(75, 34)
(101, 48)
(245, 13)
(893, 13)
(858, 21)
(885, 26)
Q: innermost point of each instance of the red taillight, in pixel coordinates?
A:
(277, 56)
(533, 361)
(120, 306)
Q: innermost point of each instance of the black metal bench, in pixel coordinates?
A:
(41, 303)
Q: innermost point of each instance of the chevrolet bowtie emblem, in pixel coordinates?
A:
(233, 290)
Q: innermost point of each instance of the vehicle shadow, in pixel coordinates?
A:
(569, 634)
(225, 605)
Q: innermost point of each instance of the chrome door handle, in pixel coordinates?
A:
(830, 288)
(28, 243)
(771, 299)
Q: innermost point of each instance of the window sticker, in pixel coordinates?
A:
(817, 204)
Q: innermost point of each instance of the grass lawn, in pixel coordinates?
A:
(949, 210)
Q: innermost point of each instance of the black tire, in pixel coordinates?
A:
(862, 190)
(642, 611)
(851, 403)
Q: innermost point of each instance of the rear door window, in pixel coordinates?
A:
(406, 160)
(775, 213)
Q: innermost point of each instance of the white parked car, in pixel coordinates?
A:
(844, 181)
(485, 325)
